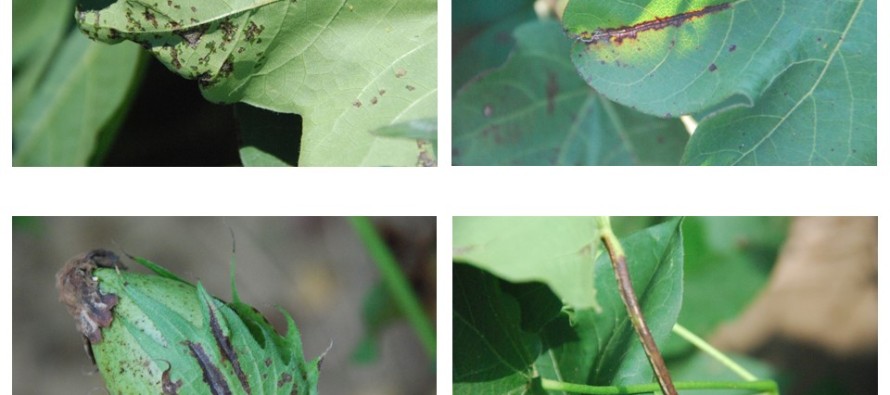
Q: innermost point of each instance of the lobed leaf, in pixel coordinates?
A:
(169, 336)
(346, 68)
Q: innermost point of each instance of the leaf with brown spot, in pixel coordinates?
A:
(169, 336)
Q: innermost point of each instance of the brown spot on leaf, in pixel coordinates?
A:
(732, 48)
(374, 100)
(285, 378)
(487, 111)
(409, 87)
(712, 67)
(382, 92)
(424, 159)
(357, 103)
(150, 17)
(552, 91)
(400, 72)
(79, 292)
(169, 387)
(193, 36)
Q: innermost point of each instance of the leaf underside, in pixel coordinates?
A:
(346, 67)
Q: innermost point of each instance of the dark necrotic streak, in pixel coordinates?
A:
(225, 346)
(212, 376)
(621, 33)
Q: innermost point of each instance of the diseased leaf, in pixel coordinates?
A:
(169, 336)
(822, 110)
(345, 68)
(774, 83)
(535, 110)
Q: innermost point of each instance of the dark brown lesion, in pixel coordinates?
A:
(169, 387)
(619, 34)
(552, 91)
(225, 347)
(212, 375)
(79, 292)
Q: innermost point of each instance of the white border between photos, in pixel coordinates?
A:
(443, 192)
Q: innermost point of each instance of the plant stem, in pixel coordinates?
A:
(625, 288)
(396, 283)
(710, 350)
(754, 386)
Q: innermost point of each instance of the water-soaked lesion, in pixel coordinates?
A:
(619, 34)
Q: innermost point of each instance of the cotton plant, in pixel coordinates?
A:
(157, 333)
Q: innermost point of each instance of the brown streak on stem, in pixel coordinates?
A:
(625, 288)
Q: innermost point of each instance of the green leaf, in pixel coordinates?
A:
(39, 27)
(487, 49)
(423, 131)
(535, 110)
(603, 348)
(538, 304)
(170, 334)
(420, 129)
(556, 251)
(346, 67)
(729, 257)
(773, 83)
(469, 13)
(492, 355)
(80, 102)
(499, 326)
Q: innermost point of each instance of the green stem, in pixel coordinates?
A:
(710, 350)
(753, 386)
(396, 283)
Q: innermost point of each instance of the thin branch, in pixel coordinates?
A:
(625, 287)
(715, 353)
(753, 386)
